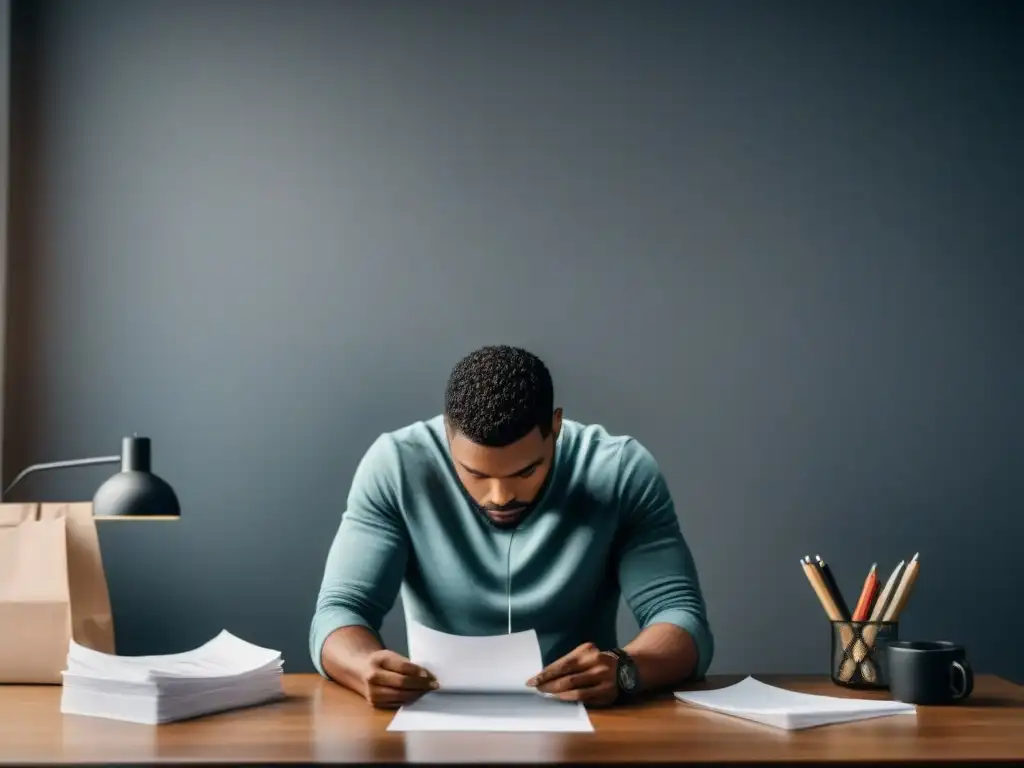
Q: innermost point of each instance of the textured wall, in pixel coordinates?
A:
(777, 242)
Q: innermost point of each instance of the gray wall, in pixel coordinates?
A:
(5, 80)
(777, 243)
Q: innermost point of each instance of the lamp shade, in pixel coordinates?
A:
(135, 491)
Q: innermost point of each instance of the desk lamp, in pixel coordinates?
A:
(133, 493)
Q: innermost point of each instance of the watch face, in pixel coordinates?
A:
(627, 677)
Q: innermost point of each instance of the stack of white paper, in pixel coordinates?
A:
(224, 673)
(751, 699)
(482, 686)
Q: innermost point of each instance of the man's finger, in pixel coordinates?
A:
(385, 678)
(585, 679)
(574, 661)
(598, 695)
(391, 698)
(395, 663)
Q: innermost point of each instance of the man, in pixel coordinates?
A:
(500, 516)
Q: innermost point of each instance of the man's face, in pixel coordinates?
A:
(505, 481)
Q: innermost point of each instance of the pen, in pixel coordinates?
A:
(867, 595)
(833, 588)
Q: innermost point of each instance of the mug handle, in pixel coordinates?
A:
(963, 671)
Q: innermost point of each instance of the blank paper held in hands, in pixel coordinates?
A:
(483, 686)
(490, 664)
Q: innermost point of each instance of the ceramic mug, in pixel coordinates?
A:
(928, 672)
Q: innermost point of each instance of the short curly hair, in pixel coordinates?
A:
(498, 394)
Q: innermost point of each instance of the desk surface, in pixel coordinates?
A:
(320, 722)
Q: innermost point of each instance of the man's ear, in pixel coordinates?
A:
(556, 422)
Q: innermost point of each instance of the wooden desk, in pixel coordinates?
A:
(320, 722)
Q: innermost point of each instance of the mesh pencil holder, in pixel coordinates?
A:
(859, 652)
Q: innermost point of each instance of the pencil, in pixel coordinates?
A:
(813, 574)
(884, 597)
(899, 600)
(871, 632)
(867, 595)
(901, 592)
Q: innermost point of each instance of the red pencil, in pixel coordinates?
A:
(867, 596)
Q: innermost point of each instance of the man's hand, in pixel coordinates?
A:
(390, 680)
(586, 674)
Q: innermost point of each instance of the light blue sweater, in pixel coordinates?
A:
(605, 525)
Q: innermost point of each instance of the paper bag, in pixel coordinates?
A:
(52, 589)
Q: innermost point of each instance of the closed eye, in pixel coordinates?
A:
(524, 472)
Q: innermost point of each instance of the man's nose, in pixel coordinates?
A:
(501, 493)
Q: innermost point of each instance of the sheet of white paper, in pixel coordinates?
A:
(491, 712)
(223, 656)
(224, 673)
(483, 686)
(433, 748)
(753, 700)
(487, 664)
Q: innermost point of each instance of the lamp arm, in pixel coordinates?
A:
(60, 465)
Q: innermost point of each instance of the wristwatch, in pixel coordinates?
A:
(626, 676)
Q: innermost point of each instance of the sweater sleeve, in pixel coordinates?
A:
(656, 570)
(367, 558)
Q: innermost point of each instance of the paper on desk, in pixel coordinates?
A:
(483, 686)
(223, 673)
(751, 699)
(491, 712)
(427, 748)
(223, 656)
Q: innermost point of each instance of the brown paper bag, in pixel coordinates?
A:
(52, 590)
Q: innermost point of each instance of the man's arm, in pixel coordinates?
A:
(658, 578)
(364, 571)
